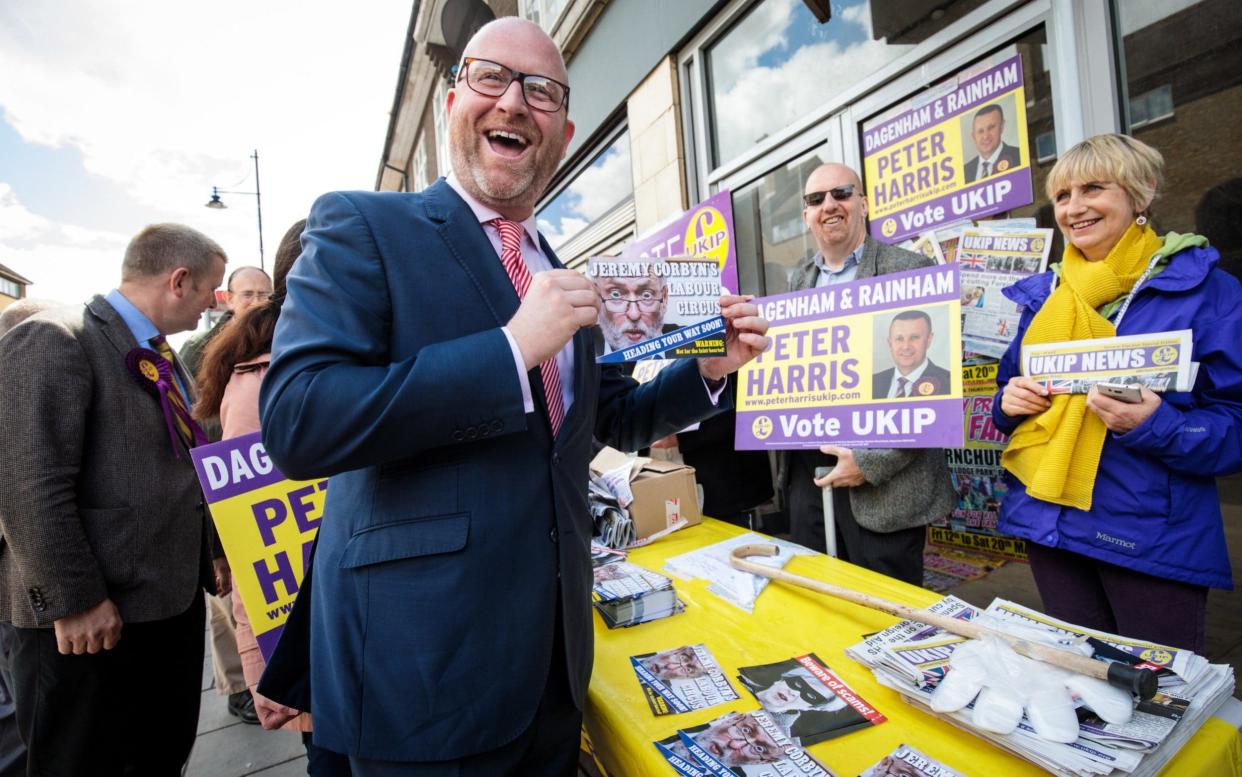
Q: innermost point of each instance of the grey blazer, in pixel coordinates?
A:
(906, 487)
(93, 503)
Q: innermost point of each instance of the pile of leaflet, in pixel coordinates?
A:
(912, 658)
(626, 595)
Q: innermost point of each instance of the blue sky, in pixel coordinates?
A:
(119, 113)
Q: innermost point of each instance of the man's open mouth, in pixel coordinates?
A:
(507, 143)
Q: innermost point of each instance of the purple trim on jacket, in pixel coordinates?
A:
(1155, 508)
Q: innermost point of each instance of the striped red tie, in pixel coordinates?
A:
(519, 274)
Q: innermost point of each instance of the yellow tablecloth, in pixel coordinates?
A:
(790, 621)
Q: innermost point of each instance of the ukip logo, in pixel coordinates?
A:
(707, 236)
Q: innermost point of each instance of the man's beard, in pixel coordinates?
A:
(616, 339)
(520, 185)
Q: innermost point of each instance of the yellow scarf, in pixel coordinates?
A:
(1056, 453)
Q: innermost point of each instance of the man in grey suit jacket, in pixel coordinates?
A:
(105, 544)
(882, 499)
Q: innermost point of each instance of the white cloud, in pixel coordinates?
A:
(603, 184)
(765, 99)
(166, 99)
(556, 234)
(63, 262)
(764, 30)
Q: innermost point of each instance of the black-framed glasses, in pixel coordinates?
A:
(492, 79)
(840, 194)
(646, 302)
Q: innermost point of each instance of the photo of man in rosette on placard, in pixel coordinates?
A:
(913, 374)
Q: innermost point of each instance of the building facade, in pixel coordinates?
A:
(12, 287)
(675, 102)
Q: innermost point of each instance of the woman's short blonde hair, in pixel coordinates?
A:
(1132, 164)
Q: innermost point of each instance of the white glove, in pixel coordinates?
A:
(1004, 684)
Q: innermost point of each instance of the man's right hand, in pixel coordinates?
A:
(89, 631)
(557, 304)
(1023, 396)
(272, 715)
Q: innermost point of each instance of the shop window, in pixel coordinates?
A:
(767, 224)
(1151, 106)
(586, 209)
(545, 13)
(419, 181)
(776, 64)
(443, 163)
(1045, 147)
(1182, 94)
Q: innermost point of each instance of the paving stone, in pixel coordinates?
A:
(240, 750)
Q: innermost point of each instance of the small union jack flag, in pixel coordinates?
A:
(972, 260)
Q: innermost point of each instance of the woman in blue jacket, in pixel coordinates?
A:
(1118, 501)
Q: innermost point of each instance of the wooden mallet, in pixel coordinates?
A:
(1132, 679)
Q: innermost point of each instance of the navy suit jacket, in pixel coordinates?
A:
(454, 520)
(938, 375)
(1009, 155)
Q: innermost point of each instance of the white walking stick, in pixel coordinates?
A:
(830, 514)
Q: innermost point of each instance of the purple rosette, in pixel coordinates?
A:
(155, 374)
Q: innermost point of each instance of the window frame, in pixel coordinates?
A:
(612, 226)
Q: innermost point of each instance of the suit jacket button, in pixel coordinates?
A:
(472, 432)
(498, 425)
(458, 436)
(552, 535)
(556, 458)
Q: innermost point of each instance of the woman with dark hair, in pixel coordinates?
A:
(228, 380)
(1118, 500)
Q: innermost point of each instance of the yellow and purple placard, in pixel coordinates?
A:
(828, 374)
(921, 161)
(705, 231)
(977, 475)
(267, 524)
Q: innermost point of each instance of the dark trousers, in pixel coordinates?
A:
(321, 762)
(132, 710)
(897, 554)
(1107, 597)
(547, 748)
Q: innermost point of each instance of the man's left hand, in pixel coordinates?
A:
(744, 336)
(846, 473)
(224, 576)
(1122, 417)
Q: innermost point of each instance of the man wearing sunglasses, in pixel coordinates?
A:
(434, 359)
(882, 499)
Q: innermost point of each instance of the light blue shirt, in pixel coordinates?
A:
(142, 329)
(139, 325)
(847, 273)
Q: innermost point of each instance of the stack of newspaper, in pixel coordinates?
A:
(912, 657)
(626, 595)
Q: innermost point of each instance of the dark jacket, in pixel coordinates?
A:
(1155, 508)
(93, 502)
(1009, 159)
(456, 526)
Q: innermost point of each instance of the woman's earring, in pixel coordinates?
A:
(1141, 220)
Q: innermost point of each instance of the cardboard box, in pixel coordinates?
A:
(663, 491)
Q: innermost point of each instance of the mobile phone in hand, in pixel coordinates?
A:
(1124, 392)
